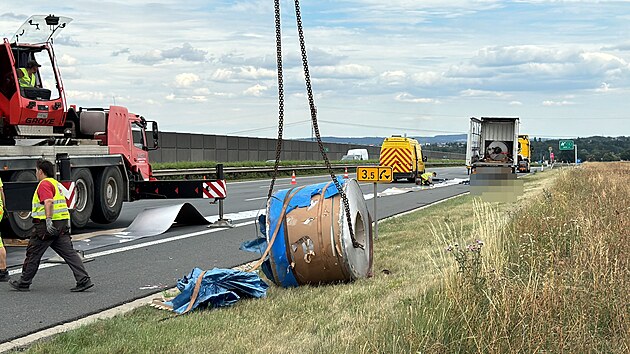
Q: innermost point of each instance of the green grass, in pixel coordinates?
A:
(553, 277)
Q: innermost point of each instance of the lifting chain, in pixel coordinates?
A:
(313, 111)
(280, 97)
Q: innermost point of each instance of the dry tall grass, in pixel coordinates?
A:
(557, 278)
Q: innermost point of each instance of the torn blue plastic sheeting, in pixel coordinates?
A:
(301, 199)
(218, 288)
(262, 224)
(258, 246)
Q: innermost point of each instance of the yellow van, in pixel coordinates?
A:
(404, 155)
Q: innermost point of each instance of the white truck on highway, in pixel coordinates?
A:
(356, 154)
(492, 143)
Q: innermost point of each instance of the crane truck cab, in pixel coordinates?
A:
(39, 115)
(107, 148)
(38, 110)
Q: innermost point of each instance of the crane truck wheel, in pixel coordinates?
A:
(108, 193)
(21, 222)
(84, 191)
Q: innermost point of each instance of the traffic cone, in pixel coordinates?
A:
(345, 174)
(293, 181)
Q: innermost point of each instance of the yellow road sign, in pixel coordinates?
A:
(374, 174)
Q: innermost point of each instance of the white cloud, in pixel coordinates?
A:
(222, 75)
(522, 54)
(429, 78)
(348, 71)
(604, 87)
(184, 80)
(67, 60)
(516, 103)
(246, 73)
(186, 52)
(406, 97)
(252, 73)
(550, 103)
(202, 91)
(256, 90)
(484, 93)
(199, 98)
(396, 77)
(86, 95)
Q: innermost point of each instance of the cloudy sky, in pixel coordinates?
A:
(378, 67)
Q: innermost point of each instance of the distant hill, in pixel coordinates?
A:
(377, 141)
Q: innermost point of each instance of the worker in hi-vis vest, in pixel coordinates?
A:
(26, 76)
(426, 179)
(51, 219)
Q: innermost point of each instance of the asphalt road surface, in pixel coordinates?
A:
(126, 271)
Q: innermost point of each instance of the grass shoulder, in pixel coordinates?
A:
(549, 275)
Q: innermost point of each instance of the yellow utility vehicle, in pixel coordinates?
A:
(404, 155)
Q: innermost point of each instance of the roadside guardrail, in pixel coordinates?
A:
(211, 170)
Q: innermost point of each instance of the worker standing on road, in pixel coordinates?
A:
(4, 273)
(26, 76)
(52, 220)
(426, 179)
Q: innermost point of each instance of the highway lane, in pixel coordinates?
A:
(124, 272)
(249, 195)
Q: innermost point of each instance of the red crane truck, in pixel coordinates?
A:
(101, 152)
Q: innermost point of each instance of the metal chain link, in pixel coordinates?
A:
(313, 109)
(280, 97)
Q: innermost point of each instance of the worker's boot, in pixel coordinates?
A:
(4, 275)
(82, 285)
(18, 285)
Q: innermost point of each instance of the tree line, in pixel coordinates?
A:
(594, 148)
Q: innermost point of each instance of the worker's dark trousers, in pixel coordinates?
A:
(38, 244)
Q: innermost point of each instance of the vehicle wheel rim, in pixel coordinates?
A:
(24, 215)
(111, 192)
(81, 195)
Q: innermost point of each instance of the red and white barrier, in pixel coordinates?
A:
(68, 190)
(214, 189)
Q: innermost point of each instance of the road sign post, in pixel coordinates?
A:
(375, 218)
(375, 174)
(222, 222)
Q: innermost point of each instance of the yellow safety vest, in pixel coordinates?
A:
(27, 80)
(426, 176)
(60, 209)
(1, 205)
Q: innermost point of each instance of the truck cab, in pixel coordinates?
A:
(38, 110)
(106, 149)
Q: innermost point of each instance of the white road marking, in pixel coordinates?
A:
(140, 245)
(251, 199)
(237, 216)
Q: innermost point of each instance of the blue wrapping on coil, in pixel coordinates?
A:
(281, 261)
